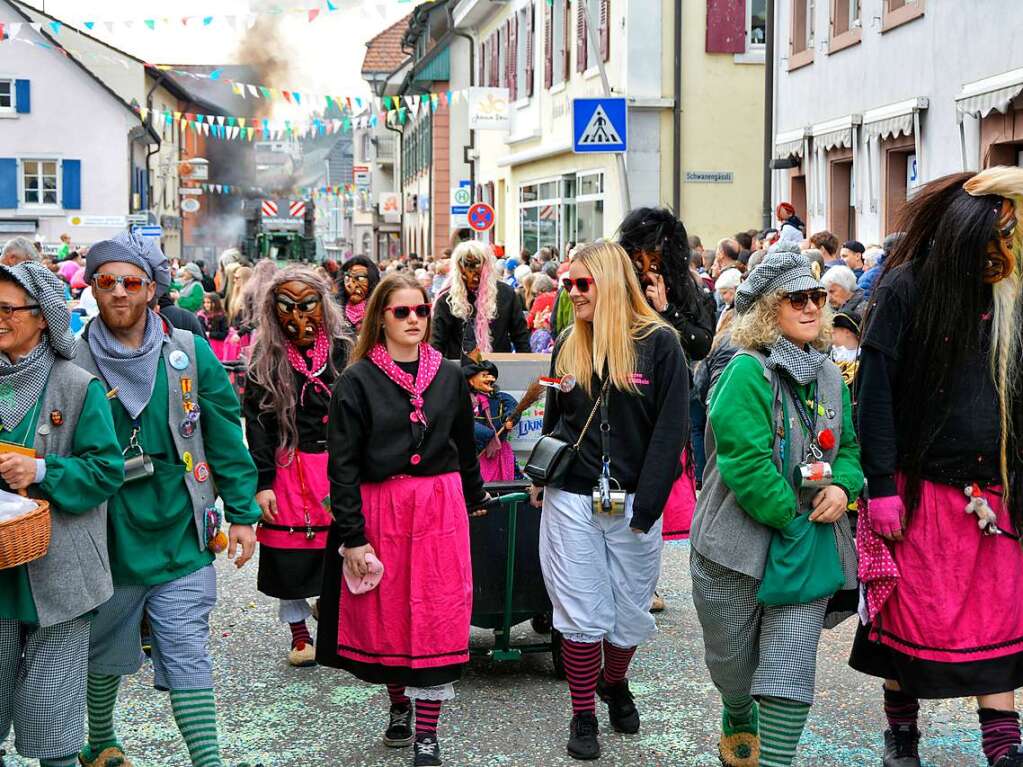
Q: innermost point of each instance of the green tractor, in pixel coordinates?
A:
(280, 229)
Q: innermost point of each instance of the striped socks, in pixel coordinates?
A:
(196, 715)
(739, 715)
(67, 761)
(582, 666)
(616, 662)
(427, 714)
(999, 732)
(396, 692)
(299, 635)
(781, 725)
(101, 698)
(900, 709)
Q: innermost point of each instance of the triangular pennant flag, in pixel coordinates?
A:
(237, 90)
(207, 20)
(250, 131)
(313, 13)
(55, 26)
(14, 28)
(109, 25)
(331, 6)
(205, 129)
(241, 122)
(143, 112)
(265, 91)
(90, 24)
(287, 96)
(216, 73)
(37, 27)
(177, 116)
(220, 119)
(297, 96)
(253, 90)
(447, 98)
(151, 23)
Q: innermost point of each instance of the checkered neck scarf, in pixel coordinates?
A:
(802, 365)
(131, 371)
(22, 382)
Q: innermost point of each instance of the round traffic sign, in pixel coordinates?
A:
(481, 217)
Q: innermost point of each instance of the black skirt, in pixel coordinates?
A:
(289, 573)
(933, 679)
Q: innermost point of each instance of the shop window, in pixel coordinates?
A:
(801, 39)
(846, 27)
(898, 12)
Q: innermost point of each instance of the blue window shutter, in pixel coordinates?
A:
(8, 182)
(71, 184)
(23, 96)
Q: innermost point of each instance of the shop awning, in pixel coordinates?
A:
(835, 133)
(992, 94)
(789, 143)
(892, 120)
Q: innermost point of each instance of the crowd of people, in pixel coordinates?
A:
(762, 399)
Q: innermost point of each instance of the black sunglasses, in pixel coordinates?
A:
(402, 312)
(799, 298)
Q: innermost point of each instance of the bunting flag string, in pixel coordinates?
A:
(341, 191)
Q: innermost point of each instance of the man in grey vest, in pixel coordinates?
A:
(177, 419)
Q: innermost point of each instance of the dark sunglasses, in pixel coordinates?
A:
(582, 284)
(402, 312)
(285, 304)
(800, 297)
(107, 282)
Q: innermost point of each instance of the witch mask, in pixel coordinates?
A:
(470, 267)
(646, 263)
(356, 281)
(300, 311)
(1001, 258)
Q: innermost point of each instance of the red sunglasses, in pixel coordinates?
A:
(581, 283)
(402, 312)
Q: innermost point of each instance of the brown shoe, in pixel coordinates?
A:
(301, 656)
(657, 603)
(108, 757)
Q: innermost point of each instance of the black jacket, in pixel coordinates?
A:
(694, 320)
(507, 330)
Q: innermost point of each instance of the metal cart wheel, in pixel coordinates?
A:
(557, 655)
(541, 623)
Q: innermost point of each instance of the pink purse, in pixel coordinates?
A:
(369, 581)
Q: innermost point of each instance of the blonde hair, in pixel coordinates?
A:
(758, 329)
(486, 295)
(235, 303)
(620, 306)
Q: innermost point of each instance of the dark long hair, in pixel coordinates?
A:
(372, 330)
(658, 230)
(946, 234)
(374, 276)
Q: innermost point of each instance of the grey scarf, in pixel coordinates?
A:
(131, 371)
(802, 365)
(22, 383)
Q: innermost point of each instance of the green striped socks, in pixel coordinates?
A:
(196, 715)
(101, 697)
(67, 761)
(781, 725)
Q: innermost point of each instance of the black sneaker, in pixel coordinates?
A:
(399, 732)
(621, 706)
(900, 747)
(427, 751)
(1012, 759)
(582, 739)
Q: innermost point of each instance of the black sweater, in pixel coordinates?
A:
(648, 431)
(371, 438)
(262, 427)
(694, 319)
(507, 330)
(962, 417)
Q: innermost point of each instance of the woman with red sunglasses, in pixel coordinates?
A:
(600, 531)
(402, 469)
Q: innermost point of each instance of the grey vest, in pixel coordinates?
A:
(201, 493)
(74, 576)
(722, 531)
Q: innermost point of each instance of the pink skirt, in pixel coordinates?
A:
(678, 511)
(417, 619)
(217, 345)
(500, 468)
(957, 599)
(303, 503)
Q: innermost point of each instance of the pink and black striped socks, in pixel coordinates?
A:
(396, 692)
(582, 666)
(299, 635)
(999, 732)
(900, 709)
(427, 714)
(616, 662)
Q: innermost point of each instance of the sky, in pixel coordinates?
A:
(328, 51)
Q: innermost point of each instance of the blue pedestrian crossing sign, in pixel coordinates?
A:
(600, 125)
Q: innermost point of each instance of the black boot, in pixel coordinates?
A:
(900, 747)
(621, 706)
(1012, 759)
(399, 732)
(427, 751)
(582, 739)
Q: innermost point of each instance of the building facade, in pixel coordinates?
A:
(874, 97)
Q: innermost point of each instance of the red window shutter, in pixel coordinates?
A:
(726, 26)
(513, 57)
(548, 44)
(567, 41)
(580, 36)
(482, 64)
(530, 50)
(495, 60)
(605, 29)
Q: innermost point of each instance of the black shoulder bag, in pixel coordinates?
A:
(552, 458)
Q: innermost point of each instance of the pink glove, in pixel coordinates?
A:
(886, 515)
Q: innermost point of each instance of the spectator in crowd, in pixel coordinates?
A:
(726, 257)
(852, 255)
(214, 321)
(786, 215)
(65, 247)
(544, 294)
(522, 272)
(872, 275)
(424, 278)
(828, 245)
(208, 283)
(845, 346)
(190, 294)
(745, 240)
(18, 250)
(870, 257)
(440, 275)
(724, 291)
(843, 295)
(816, 259)
(696, 246)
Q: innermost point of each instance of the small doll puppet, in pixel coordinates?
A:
(496, 414)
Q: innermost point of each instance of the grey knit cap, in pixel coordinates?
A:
(783, 270)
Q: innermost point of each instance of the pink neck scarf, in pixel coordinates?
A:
(355, 313)
(429, 364)
(318, 354)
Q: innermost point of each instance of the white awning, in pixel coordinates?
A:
(892, 120)
(834, 133)
(788, 143)
(992, 94)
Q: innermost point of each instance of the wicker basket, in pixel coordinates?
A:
(25, 538)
